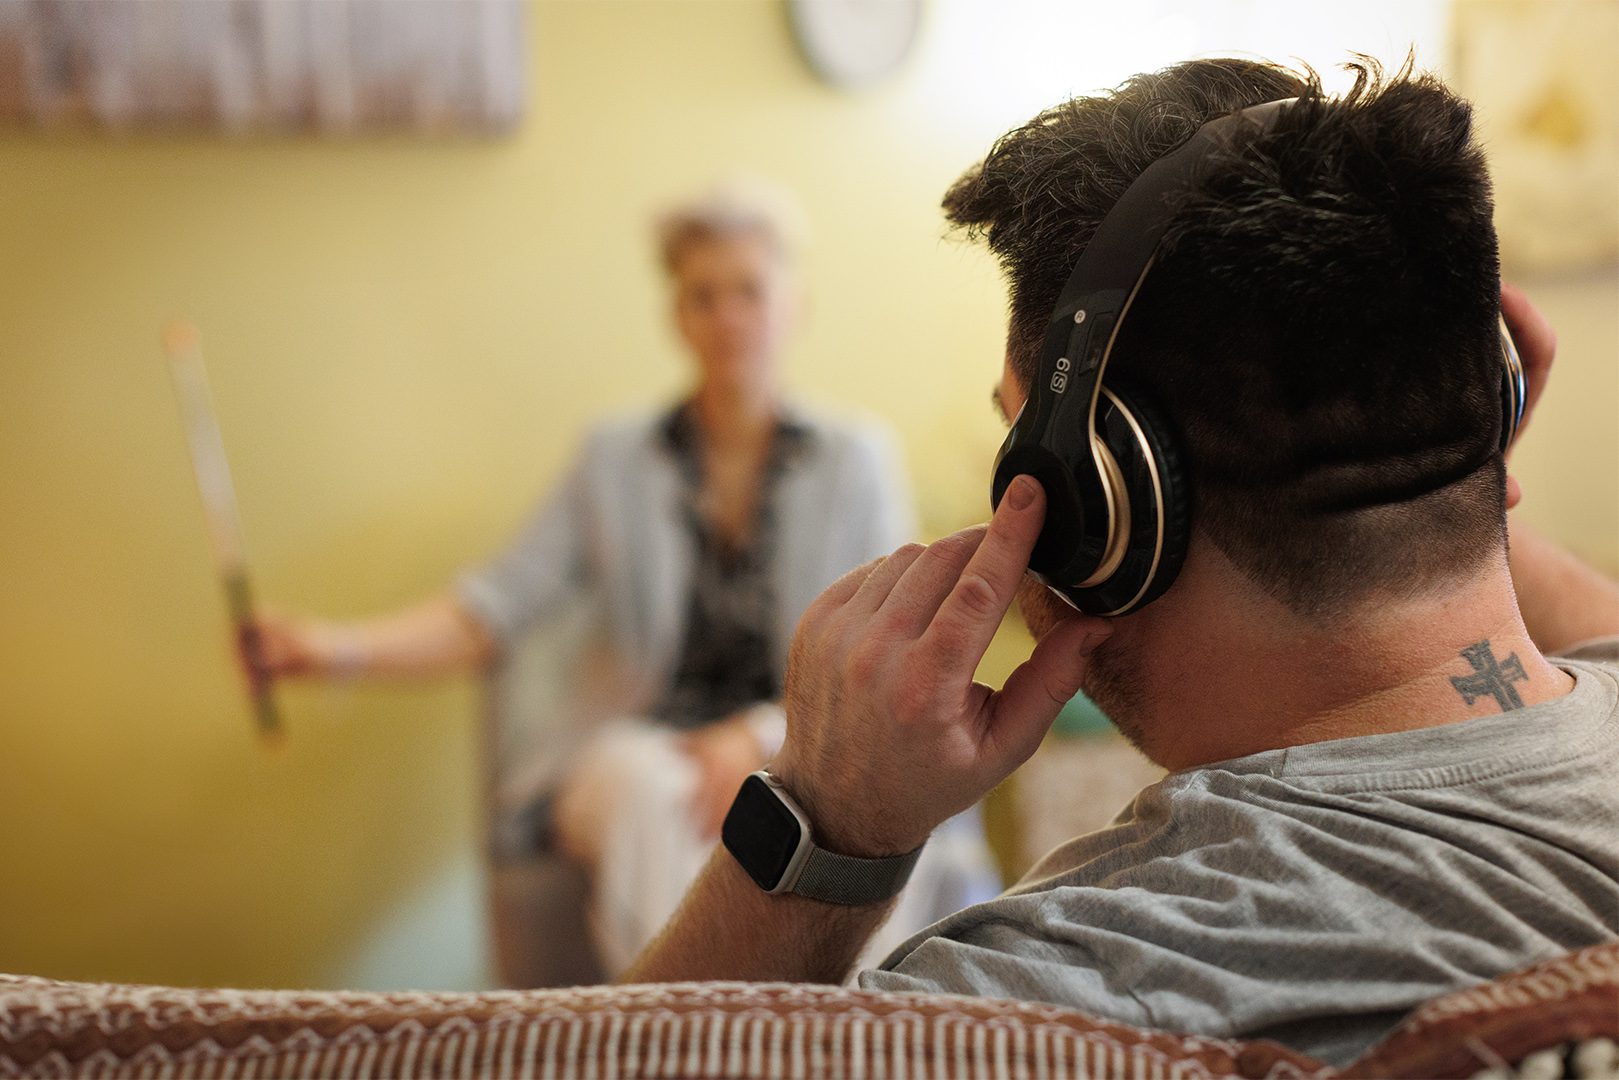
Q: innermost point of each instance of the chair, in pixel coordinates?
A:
(1559, 1018)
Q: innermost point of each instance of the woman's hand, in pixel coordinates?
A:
(292, 646)
(438, 636)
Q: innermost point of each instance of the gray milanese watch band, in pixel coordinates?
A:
(845, 879)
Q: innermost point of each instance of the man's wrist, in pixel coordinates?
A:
(774, 840)
(840, 825)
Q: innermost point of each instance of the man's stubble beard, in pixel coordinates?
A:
(1113, 679)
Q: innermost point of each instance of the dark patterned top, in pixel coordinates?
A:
(725, 661)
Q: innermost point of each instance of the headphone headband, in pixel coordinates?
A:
(1118, 505)
(1121, 251)
(1113, 265)
(1057, 421)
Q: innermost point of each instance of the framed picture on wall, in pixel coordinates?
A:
(1543, 80)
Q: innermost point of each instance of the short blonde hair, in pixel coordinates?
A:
(736, 206)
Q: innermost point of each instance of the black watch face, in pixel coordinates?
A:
(761, 833)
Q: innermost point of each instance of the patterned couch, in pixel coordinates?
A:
(1556, 1019)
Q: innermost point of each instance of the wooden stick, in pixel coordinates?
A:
(181, 344)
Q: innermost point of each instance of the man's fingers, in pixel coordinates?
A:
(838, 593)
(955, 640)
(915, 598)
(875, 589)
(1035, 693)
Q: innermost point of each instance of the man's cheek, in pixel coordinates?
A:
(1041, 610)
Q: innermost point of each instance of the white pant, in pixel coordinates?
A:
(636, 785)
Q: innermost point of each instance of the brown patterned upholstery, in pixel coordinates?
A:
(1567, 1000)
(52, 1028)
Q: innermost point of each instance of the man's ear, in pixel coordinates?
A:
(1514, 491)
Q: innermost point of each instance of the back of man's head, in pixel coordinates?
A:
(1320, 324)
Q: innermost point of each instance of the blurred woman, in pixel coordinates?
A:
(703, 531)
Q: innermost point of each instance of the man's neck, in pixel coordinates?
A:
(1269, 679)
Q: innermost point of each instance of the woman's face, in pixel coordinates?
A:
(733, 305)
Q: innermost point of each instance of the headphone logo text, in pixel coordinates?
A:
(1059, 378)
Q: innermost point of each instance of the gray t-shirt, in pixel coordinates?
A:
(1316, 895)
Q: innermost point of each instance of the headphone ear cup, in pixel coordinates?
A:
(1154, 484)
(1176, 493)
(1514, 388)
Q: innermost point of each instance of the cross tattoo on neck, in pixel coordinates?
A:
(1491, 677)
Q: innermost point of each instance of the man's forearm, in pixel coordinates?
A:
(728, 928)
(1563, 601)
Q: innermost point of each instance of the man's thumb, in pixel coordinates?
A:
(1036, 692)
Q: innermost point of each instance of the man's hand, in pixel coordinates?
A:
(725, 753)
(887, 736)
(1562, 600)
(887, 733)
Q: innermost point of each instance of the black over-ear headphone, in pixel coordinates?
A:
(1118, 503)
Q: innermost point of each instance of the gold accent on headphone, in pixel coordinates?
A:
(1517, 384)
(1158, 497)
(1112, 477)
(1118, 506)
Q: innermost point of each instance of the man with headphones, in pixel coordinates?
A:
(1261, 380)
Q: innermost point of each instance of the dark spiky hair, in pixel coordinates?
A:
(1319, 323)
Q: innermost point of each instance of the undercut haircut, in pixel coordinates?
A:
(1320, 323)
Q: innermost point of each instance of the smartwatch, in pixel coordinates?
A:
(769, 835)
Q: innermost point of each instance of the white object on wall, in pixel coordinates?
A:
(854, 43)
(239, 65)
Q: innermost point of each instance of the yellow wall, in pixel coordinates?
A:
(405, 339)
